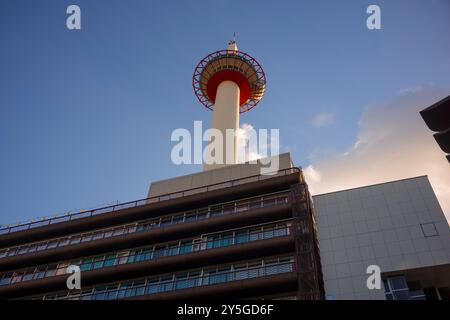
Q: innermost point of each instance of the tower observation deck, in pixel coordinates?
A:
(228, 82)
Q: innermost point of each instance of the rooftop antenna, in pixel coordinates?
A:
(234, 38)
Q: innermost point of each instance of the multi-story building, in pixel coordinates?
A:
(227, 232)
(397, 226)
(233, 233)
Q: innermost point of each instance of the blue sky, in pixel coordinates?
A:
(86, 116)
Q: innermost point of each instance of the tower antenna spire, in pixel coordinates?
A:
(233, 40)
(232, 46)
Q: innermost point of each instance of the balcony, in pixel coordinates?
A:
(146, 225)
(205, 277)
(116, 263)
(5, 230)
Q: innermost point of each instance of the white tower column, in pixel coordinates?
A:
(226, 116)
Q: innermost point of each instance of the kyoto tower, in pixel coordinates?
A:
(228, 82)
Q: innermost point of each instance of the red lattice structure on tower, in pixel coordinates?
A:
(232, 65)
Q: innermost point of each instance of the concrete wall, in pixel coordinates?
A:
(214, 176)
(396, 225)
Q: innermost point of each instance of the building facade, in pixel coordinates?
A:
(233, 233)
(397, 226)
(223, 233)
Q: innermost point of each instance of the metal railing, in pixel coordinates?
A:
(141, 202)
(148, 287)
(148, 224)
(145, 254)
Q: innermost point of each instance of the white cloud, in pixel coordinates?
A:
(323, 119)
(393, 143)
(243, 137)
(311, 174)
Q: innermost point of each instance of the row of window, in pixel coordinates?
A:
(141, 202)
(151, 252)
(181, 280)
(145, 225)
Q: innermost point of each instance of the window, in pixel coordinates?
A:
(280, 230)
(254, 269)
(181, 280)
(173, 249)
(215, 211)
(228, 208)
(112, 292)
(108, 233)
(23, 250)
(28, 275)
(241, 207)
(186, 247)
(124, 290)
(6, 279)
(39, 273)
(86, 238)
(166, 221)
(144, 254)
(131, 229)
(139, 287)
(217, 276)
(194, 279)
(199, 244)
(240, 272)
(131, 256)
(86, 264)
(122, 257)
(213, 241)
(98, 235)
(51, 270)
(42, 246)
(269, 202)
(118, 231)
(62, 267)
(109, 260)
(63, 242)
(227, 239)
(99, 294)
(268, 232)
(98, 262)
(75, 240)
(398, 283)
(177, 219)
(242, 236)
(202, 214)
(271, 267)
(255, 204)
(255, 234)
(52, 244)
(396, 288)
(166, 283)
(153, 286)
(159, 252)
(191, 217)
